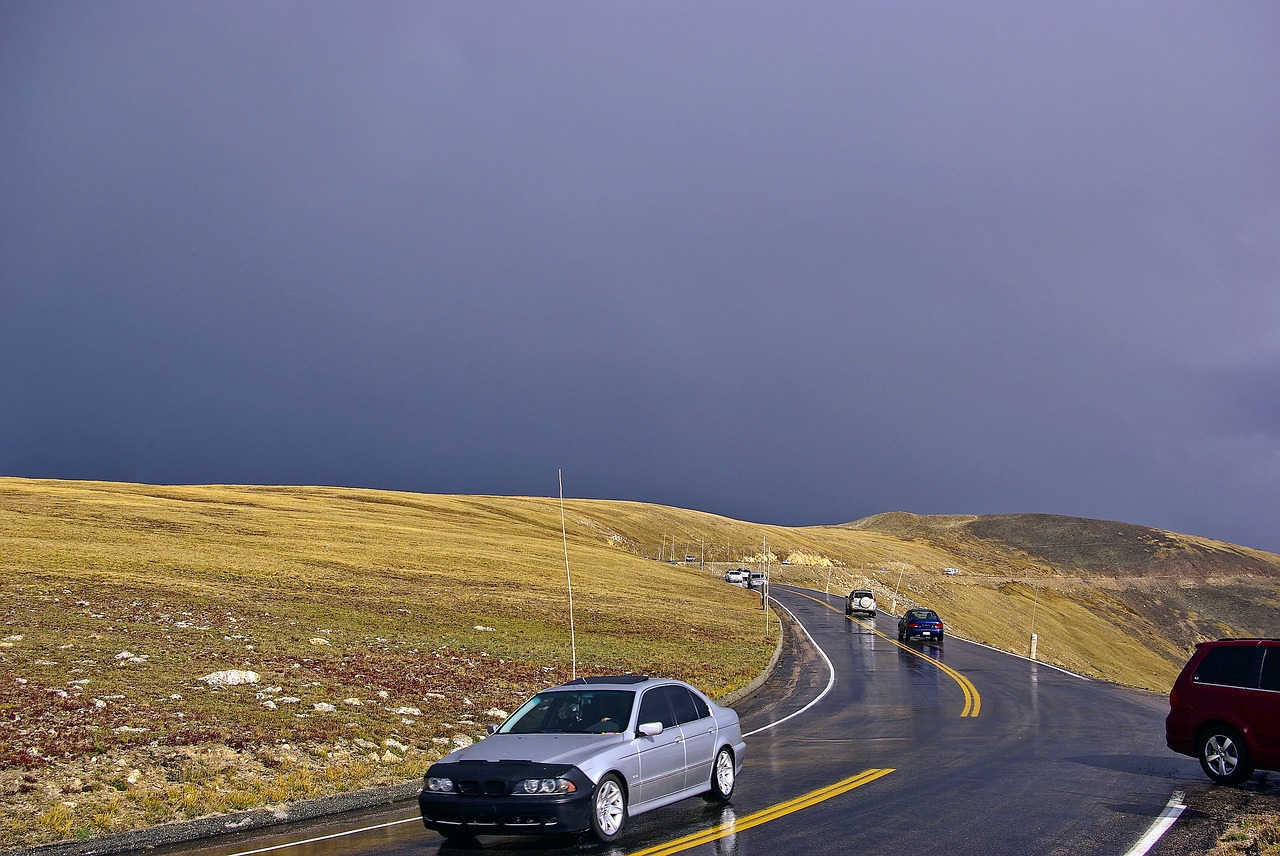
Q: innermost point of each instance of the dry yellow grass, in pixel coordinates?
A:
(386, 628)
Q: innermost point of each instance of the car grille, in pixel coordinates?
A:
(485, 788)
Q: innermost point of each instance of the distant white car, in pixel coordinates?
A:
(754, 580)
(951, 572)
(735, 576)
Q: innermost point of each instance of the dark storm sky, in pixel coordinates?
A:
(793, 263)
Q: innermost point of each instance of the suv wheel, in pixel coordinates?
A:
(1224, 755)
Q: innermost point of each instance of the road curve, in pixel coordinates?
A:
(955, 748)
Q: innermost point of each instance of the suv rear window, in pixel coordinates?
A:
(1226, 666)
(1271, 669)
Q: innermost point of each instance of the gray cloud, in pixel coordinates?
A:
(792, 265)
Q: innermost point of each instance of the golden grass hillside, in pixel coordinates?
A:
(382, 629)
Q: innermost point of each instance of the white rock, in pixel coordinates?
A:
(462, 740)
(496, 713)
(269, 705)
(318, 641)
(125, 655)
(392, 743)
(407, 711)
(323, 707)
(484, 629)
(230, 678)
(354, 702)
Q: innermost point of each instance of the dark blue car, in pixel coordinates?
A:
(920, 624)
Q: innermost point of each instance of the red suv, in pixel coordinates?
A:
(1225, 708)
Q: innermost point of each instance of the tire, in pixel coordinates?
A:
(723, 777)
(873, 613)
(608, 809)
(1223, 755)
(848, 611)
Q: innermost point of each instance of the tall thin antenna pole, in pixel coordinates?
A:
(564, 536)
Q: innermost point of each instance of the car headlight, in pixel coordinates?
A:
(544, 787)
(437, 785)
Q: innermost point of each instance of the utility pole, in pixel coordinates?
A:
(894, 609)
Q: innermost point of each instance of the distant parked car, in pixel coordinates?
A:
(1224, 708)
(920, 624)
(735, 576)
(860, 602)
(689, 557)
(755, 580)
(951, 572)
(591, 753)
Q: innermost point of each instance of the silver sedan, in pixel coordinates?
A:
(585, 756)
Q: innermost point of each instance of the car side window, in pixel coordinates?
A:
(1226, 666)
(654, 707)
(1270, 669)
(700, 706)
(682, 702)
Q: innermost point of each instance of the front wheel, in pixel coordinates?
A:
(608, 809)
(1224, 757)
(723, 777)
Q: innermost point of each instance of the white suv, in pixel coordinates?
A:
(860, 602)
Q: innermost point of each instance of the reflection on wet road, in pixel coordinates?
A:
(896, 747)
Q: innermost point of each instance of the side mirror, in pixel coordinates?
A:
(650, 729)
(491, 728)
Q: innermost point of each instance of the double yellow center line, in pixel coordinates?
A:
(972, 701)
(803, 801)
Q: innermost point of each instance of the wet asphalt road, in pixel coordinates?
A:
(952, 748)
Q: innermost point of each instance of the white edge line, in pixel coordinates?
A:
(831, 670)
(1171, 812)
(326, 837)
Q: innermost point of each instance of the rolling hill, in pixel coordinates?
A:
(168, 652)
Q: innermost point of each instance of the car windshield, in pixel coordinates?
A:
(921, 615)
(572, 712)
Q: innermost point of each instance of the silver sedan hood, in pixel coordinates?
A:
(543, 748)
